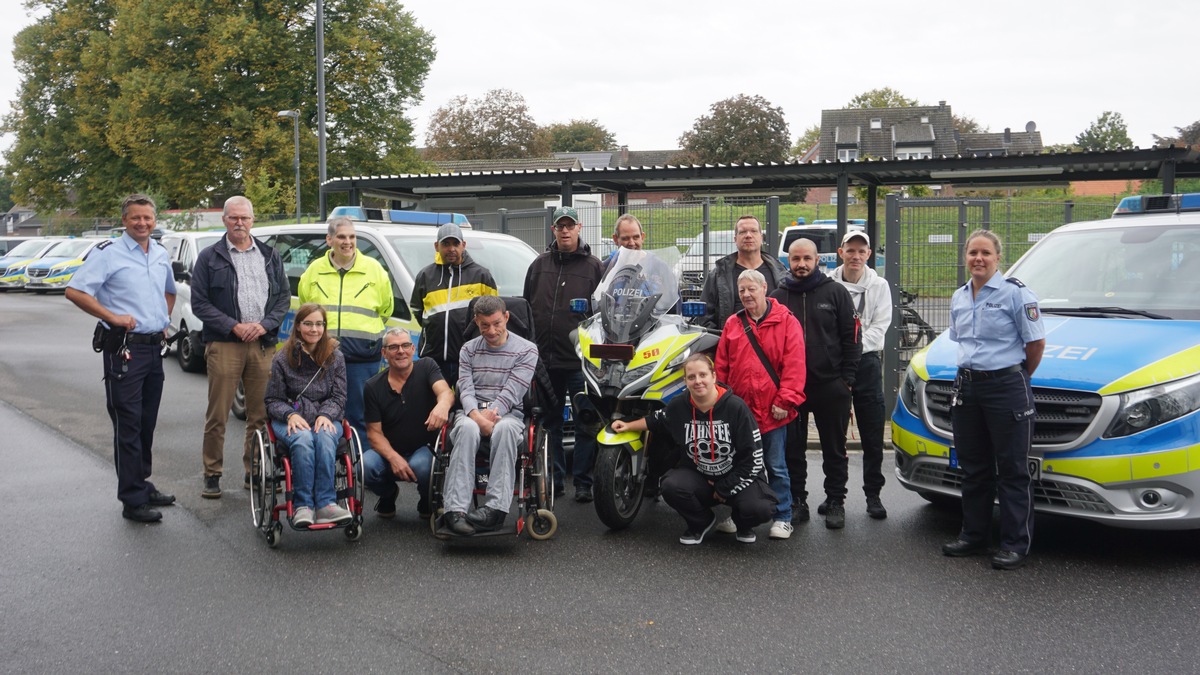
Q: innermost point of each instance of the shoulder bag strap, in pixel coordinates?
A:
(758, 348)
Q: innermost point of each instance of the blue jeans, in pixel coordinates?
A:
(357, 375)
(775, 457)
(378, 476)
(313, 456)
(566, 383)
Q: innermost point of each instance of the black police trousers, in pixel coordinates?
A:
(133, 388)
(993, 431)
(829, 404)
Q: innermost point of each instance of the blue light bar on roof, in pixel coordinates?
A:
(359, 213)
(1158, 204)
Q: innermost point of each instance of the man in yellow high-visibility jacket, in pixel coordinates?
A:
(357, 296)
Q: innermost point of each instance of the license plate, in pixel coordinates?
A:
(1035, 468)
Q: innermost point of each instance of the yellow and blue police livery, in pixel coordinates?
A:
(53, 272)
(1117, 394)
(12, 266)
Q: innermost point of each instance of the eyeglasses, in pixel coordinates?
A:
(566, 226)
(239, 219)
(313, 324)
(392, 349)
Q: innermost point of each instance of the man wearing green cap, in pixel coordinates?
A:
(565, 271)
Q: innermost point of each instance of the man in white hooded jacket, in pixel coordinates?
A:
(873, 308)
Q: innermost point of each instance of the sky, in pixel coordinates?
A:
(646, 70)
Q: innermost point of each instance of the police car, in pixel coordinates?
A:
(402, 241)
(54, 270)
(12, 266)
(1117, 432)
(823, 233)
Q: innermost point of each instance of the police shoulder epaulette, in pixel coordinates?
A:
(105, 244)
(1014, 280)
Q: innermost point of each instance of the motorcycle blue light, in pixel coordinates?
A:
(693, 308)
(579, 305)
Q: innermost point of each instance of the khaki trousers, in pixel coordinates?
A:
(228, 364)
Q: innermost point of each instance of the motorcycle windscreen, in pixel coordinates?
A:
(638, 287)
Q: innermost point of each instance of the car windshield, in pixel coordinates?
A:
(507, 260)
(1125, 270)
(71, 248)
(27, 248)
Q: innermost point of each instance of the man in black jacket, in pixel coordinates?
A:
(720, 293)
(565, 271)
(441, 293)
(240, 291)
(832, 351)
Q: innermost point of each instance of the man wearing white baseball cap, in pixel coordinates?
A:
(873, 308)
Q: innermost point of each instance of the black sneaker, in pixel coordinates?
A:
(875, 508)
(835, 516)
(800, 512)
(385, 507)
(141, 514)
(691, 538)
(823, 507)
(212, 487)
(486, 519)
(159, 499)
(583, 495)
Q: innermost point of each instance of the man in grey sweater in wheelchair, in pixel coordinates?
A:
(495, 370)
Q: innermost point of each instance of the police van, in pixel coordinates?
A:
(401, 241)
(823, 233)
(1117, 432)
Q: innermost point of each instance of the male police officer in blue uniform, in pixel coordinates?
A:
(128, 285)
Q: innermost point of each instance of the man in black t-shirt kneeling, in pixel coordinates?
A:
(404, 407)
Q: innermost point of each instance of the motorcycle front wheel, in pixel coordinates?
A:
(618, 491)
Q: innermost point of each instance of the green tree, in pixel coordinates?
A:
(182, 95)
(1189, 135)
(1108, 132)
(739, 129)
(578, 136)
(807, 140)
(885, 97)
(496, 126)
(965, 124)
(6, 188)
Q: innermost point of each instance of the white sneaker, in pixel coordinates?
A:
(332, 514)
(780, 529)
(726, 526)
(303, 517)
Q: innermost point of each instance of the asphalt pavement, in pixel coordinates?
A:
(84, 590)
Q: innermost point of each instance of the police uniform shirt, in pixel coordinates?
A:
(126, 280)
(993, 328)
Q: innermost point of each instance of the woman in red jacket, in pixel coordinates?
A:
(761, 358)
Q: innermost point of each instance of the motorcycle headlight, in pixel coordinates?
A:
(1147, 408)
(637, 373)
(908, 391)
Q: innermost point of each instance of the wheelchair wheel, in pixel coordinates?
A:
(437, 473)
(543, 469)
(357, 472)
(354, 531)
(275, 535)
(542, 524)
(262, 482)
(433, 523)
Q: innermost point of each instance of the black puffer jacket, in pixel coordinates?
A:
(553, 280)
(720, 293)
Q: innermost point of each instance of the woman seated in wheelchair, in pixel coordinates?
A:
(306, 399)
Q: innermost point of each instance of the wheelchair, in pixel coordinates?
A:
(271, 477)
(533, 487)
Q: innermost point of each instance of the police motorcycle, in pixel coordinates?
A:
(632, 352)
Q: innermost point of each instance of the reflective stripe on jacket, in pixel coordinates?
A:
(357, 303)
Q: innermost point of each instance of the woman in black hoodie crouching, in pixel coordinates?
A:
(721, 458)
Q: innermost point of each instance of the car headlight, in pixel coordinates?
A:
(1147, 408)
(908, 391)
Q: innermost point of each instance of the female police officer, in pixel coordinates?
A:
(998, 328)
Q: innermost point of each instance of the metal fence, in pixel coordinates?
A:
(923, 246)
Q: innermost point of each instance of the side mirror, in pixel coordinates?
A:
(179, 272)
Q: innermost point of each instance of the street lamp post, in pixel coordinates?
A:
(295, 115)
